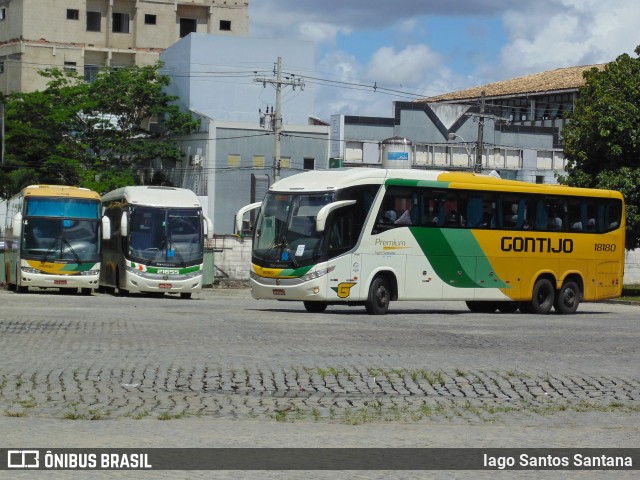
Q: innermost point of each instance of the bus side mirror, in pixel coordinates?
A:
(321, 218)
(17, 225)
(106, 228)
(207, 225)
(241, 212)
(124, 224)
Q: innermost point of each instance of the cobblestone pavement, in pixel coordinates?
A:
(431, 371)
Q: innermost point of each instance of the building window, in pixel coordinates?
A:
(233, 161)
(3, 13)
(94, 19)
(285, 162)
(539, 178)
(258, 161)
(1, 67)
(73, 14)
(70, 66)
(120, 23)
(225, 25)
(309, 163)
(149, 19)
(187, 25)
(90, 72)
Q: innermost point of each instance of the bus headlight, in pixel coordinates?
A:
(30, 270)
(90, 272)
(316, 274)
(134, 271)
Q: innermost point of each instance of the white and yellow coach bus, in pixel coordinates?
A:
(370, 236)
(53, 237)
(157, 241)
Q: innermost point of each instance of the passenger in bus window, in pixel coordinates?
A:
(555, 222)
(453, 219)
(405, 218)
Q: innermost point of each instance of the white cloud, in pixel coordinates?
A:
(404, 67)
(538, 36)
(560, 33)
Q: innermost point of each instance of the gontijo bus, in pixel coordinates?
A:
(157, 241)
(53, 238)
(369, 236)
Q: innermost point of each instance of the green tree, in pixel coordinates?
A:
(602, 138)
(94, 134)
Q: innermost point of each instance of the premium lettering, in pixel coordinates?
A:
(536, 245)
(390, 243)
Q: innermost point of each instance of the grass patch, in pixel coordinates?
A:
(137, 415)
(172, 416)
(15, 414)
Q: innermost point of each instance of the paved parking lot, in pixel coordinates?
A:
(426, 374)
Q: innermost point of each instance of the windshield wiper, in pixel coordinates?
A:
(51, 249)
(73, 252)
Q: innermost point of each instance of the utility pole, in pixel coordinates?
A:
(276, 120)
(478, 166)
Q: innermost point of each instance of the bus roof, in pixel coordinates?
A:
(338, 178)
(59, 191)
(154, 196)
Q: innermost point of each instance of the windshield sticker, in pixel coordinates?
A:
(171, 253)
(285, 256)
(300, 251)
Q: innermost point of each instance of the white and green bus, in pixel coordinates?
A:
(157, 241)
(371, 236)
(53, 237)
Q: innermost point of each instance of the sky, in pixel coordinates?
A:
(409, 49)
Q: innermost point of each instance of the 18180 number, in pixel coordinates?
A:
(604, 247)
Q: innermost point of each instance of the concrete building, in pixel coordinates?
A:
(86, 35)
(229, 163)
(520, 119)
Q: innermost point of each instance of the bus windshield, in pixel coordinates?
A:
(286, 228)
(165, 236)
(61, 239)
(61, 230)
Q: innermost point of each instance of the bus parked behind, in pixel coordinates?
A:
(157, 241)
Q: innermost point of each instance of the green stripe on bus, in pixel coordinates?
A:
(78, 267)
(294, 272)
(181, 271)
(439, 246)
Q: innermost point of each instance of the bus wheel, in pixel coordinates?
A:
(508, 307)
(22, 289)
(315, 307)
(568, 298)
(542, 297)
(185, 295)
(379, 297)
(481, 307)
(85, 291)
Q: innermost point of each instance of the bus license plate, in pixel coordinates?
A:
(164, 285)
(278, 291)
(59, 282)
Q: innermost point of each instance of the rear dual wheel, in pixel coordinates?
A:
(568, 298)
